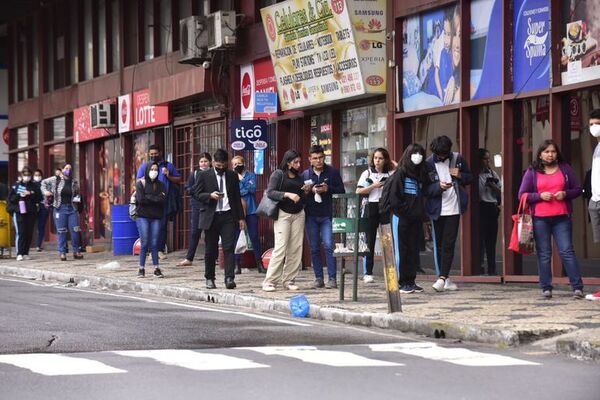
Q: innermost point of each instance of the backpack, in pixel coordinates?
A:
(133, 211)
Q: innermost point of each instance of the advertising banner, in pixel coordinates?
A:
(248, 134)
(313, 52)
(258, 90)
(124, 113)
(145, 115)
(486, 48)
(247, 91)
(580, 58)
(531, 58)
(82, 125)
(368, 20)
(431, 59)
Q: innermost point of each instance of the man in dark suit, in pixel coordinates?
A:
(221, 214)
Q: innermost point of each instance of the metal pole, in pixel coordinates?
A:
(389, 269)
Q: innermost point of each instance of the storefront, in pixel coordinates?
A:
(522, 89)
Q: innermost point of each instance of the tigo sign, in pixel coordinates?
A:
(248, 134)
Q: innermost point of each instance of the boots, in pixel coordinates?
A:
(260, 268)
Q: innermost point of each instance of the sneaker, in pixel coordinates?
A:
(417, 288)
(368, 279)
(141, 273)
(19, 258)
(268, 287)
(449, 285)
(319, 283)
(331, 284)
(406, 288)
(162, 255)
(291, 286)
(578, 294)
(593, 296)
(439, 285)
(39, 249)
(184, 263)
(27, 257)
(158, 273)
(547, 294)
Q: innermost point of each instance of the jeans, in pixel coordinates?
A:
(149, 230)
(320, 230)
(559, 227)
(67, 220)
(194, 234)
(42, 219)
(252, 225)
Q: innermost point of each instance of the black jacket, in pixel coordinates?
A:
(205, 185)
(151, 198)
(31, 201)
(407, 196)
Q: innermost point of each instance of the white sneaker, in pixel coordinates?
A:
(19, 258)
(449, 285)
(439, 285)
(268, 287)
(368, 279)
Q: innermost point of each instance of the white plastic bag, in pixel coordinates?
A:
(242, 244)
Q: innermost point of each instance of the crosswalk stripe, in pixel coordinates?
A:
(457, 356)
(58, 364)
(193, 360)
(313, 355)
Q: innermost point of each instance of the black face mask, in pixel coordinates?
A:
(220, 171)
(239, 169)
(549, 163)
(294, 171)
(155, 159)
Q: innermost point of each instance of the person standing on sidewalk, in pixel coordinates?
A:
(23, 201)
(490, 192)
(407, 203)
(371, 183)
(288, 189)
(324, 181)
(195, 233)
(170, 177)
(221, 215)
(42, 216)
(248, 191)
(446, 200)
(550, 185)
(65, 192)
(150, 197)
(594, 204)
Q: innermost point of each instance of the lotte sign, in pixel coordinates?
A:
(144, 114)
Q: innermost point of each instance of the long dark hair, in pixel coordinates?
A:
(387, 163)
(288, 157)
(406, 166)
(537, 164)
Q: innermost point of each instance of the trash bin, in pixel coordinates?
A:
(7, 230)
(124, 230)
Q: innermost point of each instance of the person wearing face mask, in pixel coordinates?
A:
(64, 190)
(150, 196)
(171, 178)
(42, 216)
(551, 185)
(248, 191)
(407, 204)
(594, 204)
(22, 204)
(490, 191)
(204, 164)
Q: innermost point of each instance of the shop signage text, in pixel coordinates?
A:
(258, 90)
(248, 135)
(144, 114)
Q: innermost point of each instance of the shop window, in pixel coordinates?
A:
(320, 133)
(22, 160)
(102, 37)
(486, 48)
(431, 59)
(22, 137)
(166, 27)
(535, 115)
(141, 142)
(115, 32)
(59, 128)
(426, 128)
(109, 177)
(149, 29)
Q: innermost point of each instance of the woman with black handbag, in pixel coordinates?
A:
(287, 188)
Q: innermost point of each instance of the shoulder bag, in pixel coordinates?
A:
(267, 207)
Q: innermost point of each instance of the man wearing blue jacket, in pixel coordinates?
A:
(446, 200)
(325, 181)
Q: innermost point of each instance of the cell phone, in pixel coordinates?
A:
(221, 194)
(383, 179)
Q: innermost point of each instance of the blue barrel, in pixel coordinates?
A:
(124, 230)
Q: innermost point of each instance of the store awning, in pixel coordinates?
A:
(178, 86)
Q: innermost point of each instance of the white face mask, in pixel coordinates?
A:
(26, 179)
(595, 130)
(153, 174)
(37, 178)
(416, 158)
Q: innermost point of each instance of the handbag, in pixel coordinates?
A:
(267, 207)
(242, 244)
(521, 240)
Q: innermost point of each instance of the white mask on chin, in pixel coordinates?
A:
(595, 130)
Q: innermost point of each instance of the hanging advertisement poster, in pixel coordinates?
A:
(368, 20)
(313, 52)
(431, 59)
(580, 57)
(531, 57)
(486, 48)
(258, 90)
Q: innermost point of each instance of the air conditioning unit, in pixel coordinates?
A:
(193, 36)
(221, 29)
(103, 115)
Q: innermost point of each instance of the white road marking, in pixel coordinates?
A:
(313, 355)
(24, 281)
(58, 364)
(459, 356)
(194, 360)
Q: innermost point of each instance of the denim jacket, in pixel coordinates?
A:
(247, 190)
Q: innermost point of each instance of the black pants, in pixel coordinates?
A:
(445, 234)
(195, 234)
(224, 226)
(409, 230)
(25, 224)
(488, 223)
(374, 221)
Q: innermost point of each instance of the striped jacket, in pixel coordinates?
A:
(50, 185)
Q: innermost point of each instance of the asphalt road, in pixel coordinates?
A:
(59, 342)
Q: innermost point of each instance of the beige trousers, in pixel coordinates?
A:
(287, 255)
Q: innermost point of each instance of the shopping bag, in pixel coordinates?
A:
(299, 306)
(242, 244)
(521, 240)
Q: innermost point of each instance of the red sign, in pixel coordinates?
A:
(82, 125)
(145, 115)
(246, 90)
(5, 136)
(264, 81)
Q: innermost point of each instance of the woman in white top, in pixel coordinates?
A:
(371, 183)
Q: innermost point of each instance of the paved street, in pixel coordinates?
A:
(60, 342)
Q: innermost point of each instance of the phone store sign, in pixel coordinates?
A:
(248, 135)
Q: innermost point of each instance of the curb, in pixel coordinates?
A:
(580, 349)
(397, 321)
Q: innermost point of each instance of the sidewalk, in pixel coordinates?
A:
(504, 315)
